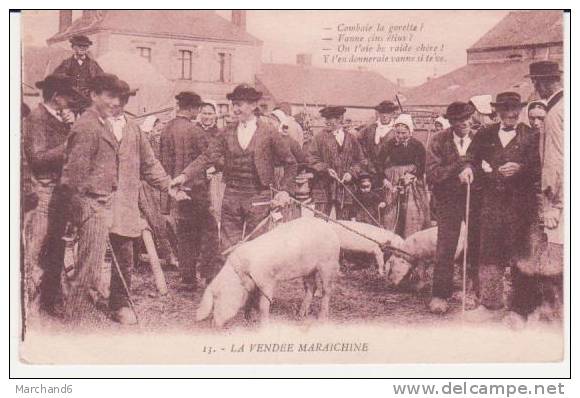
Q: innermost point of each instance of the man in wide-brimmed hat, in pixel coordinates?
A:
(446, 158)
(80, 67)
(182, 142)
(504, 159)
(547, 79)
(44, 135)
(336, 158)
(248, 150)
(376, 133)
(107, 156)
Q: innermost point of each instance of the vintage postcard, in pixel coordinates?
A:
(361, 187)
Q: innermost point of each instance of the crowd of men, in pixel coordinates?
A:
(93, 176)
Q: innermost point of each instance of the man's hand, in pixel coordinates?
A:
(347, 177)
(509, 169)
(281, 199)
(552, 217)
(333, 174)
(175, 187)
(178, 181)
(68, 116)
(409, 178)
(210, 172)
(466, 176)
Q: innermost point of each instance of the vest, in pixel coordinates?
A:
(243, 175)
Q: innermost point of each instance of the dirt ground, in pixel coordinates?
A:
(360, 295)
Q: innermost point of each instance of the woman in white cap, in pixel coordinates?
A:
(402, 161)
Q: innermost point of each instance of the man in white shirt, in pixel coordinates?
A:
(373, 136)
(81, 68)
(446, 157)
(336, 158)
(247, 152)
(504, 158)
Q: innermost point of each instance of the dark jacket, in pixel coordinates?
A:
(523, 149)
(271, 150)
(444, 165)
(323, 154)
(81, 74)
(182, 141)
(509, 205)
(393, 154)
(370, 149)
(44, 138)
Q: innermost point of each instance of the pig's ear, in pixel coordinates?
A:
(206, 306)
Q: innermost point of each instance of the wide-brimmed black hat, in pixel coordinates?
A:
(459, 110)
(188, 98)
(106, 82)
(332, 112)
(544, 69)
(386, 107)
(244, 92)
(508, 98)
(59, 83)
(80, 40)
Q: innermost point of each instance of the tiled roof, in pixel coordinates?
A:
(521, 28)
(471, 80)
(319, 86)
(200, 24)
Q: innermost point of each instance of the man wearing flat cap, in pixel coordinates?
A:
(107, 156)
(249, 151)
(374, 135)
(337, 159)
(547, 79)
(505, 160)
(44, 135)
(446, 158)
(80, 67)
(182, 142)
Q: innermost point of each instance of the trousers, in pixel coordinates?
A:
(197, 239)
(239, 215)
(44, 249)
(451, 213)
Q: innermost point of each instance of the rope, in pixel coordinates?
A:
(409, 256)
(358, 202)
(260, 225)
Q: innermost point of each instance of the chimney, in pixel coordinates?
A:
(239, 18)
(64, 20)
(304, 59)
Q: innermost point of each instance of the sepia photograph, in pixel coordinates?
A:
(202, 187)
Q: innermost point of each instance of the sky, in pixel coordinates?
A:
(287, 33)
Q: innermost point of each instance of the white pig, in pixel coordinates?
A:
(422, 245)
(352, 241)
(306, 247)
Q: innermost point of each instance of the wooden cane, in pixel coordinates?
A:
(465, 247)
(160, 282)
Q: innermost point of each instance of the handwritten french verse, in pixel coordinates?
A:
(380, 43)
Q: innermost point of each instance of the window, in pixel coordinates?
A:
(225, 67)
(145, 52)
(185, 58)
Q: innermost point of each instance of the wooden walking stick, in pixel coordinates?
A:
(465, 247)
(154, 262)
